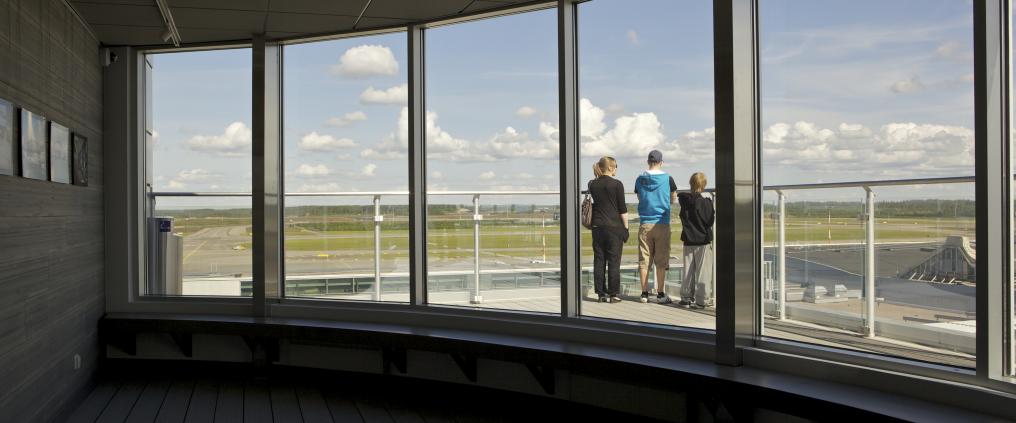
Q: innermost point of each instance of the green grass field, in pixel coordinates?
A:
(528, 240)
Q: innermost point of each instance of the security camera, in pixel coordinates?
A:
(107, 56)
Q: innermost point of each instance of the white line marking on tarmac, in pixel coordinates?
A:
(194, 251)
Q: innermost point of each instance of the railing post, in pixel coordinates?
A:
(869, 263)
(781, 254)
(378, 218)
(477, 217)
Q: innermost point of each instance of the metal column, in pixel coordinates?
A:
(781, 254)
(417, 170)
(568, 154)
(869, 262)
(378, 218)
(266, 200)
(993, 189)
(738, 139)
(477, 217)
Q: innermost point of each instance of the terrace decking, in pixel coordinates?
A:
(630, 309)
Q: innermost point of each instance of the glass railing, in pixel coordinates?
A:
(494, 249)
(837, 264)
(888, 261)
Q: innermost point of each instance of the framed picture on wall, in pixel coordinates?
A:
(7, 144)
(79, 152)
(59, 153)
(34, 146)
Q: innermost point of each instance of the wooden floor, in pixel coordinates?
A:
(183, 394)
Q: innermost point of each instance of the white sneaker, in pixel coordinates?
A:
(665, 299)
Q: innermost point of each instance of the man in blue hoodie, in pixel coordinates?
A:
(656, 191)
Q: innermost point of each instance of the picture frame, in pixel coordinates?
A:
(34, 157)
(59, 153)
(8, 148)
(79, 154)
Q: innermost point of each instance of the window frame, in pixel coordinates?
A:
(737, 340)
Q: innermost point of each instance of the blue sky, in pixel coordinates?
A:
(850, 90)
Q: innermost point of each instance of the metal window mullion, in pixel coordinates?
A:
(568, 155)
(266, 167)
(737, 177)
(417, 168)
(992, 187)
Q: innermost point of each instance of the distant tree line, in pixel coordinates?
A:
(903, 208)
(837, 209)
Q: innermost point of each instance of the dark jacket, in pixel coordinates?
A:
(608, 202)
(697, 217)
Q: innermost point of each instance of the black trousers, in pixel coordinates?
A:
(607, 244)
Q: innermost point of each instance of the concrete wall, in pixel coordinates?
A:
(51, 235)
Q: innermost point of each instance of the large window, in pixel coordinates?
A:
(346, 174)
(864, 105)
(646, 83)
(869, 220)
(198, 129)
(492, 163)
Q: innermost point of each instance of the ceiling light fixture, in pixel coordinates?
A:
(171, 32)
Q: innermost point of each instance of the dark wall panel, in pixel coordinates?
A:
(51, 235)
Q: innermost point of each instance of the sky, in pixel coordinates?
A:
(857, 90)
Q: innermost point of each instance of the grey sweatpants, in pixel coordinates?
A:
(698, 274)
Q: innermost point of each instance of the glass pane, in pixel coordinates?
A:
(869, 91)
(492, 232)
(646, 83)
(346, 211)
(200, 143)
(208, 249)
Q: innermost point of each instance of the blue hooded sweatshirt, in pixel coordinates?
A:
(653, 189)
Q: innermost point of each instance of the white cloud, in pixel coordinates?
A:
(440, 144)
(319, 142)
(894, 149)
(325, 187)
(194, 175)
(632, 135)
(368, 169)
(235, 141)
(633, 37)
(953, 50)
(511, 144)
(398, 95)
(188, 177)
(590, 119)
(313, 171)
(615, 108)
(366, 60)
(525, 112)
(347, 119)
(907, 86)
(436, 175)
(488, 175)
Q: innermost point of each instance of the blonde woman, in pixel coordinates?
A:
(610, 229)
(697, 217)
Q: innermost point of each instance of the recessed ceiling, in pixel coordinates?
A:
(139, 23)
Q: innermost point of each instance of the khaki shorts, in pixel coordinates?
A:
(654, 245)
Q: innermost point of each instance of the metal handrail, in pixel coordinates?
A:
(788, 187)
(863, 184)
